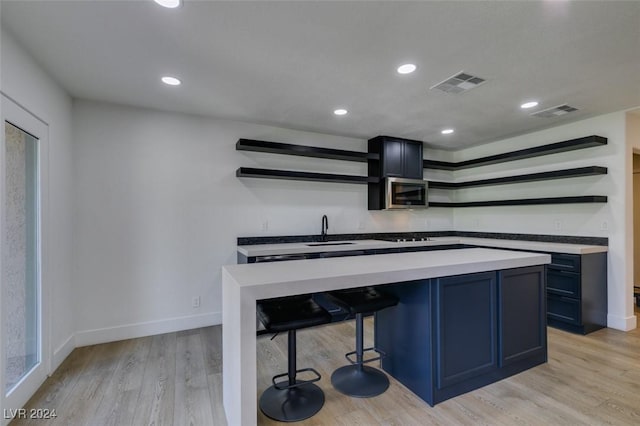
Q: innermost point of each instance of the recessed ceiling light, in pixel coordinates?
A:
(446, 131)
(406, 69)
(340, 111)
(171, 4)
(171, 81)
(529, 105)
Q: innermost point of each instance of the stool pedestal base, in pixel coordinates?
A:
(359, 381)
(292, 405)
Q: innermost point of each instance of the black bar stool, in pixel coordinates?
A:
(291, 400)
(357, 379)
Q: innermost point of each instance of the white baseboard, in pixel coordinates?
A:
(62, 352)
(622, 323)
(150, 328)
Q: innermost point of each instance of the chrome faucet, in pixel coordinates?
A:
(325, 227)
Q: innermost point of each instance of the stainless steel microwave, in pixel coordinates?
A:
(402, 193)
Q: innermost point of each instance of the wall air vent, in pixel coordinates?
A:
(555, 111)
(459, 83)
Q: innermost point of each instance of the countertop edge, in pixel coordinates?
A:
(275, 279)
(300, 248)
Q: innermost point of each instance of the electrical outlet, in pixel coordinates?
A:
(361, 225)
(557, 225)
(195, 301)
(265, 225)
(427, 223)
(604, 226)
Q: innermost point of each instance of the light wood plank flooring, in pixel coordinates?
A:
(176, 379)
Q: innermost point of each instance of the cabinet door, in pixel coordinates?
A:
(412, 156)
(522, 325)
(465, 327)
(392, 158)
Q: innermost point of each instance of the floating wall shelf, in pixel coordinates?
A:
(339, 154)
(303, 151)
(532, 177)
(525, 201)
(306, 176)
(554, 148)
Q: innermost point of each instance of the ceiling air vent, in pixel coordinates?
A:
(555, 111)
(459, 83)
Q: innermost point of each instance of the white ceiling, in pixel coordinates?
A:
(292, 63)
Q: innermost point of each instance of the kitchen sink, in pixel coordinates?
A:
(329, 244)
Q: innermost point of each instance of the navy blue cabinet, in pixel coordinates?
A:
(451, 335)
(397, 158)
(577, 292)
(405, 333)
(392, 158)
(465, 327)
(522, 312)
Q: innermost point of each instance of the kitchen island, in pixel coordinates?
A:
(243, 285)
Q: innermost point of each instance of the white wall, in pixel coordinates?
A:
(633, 136)
(601, 220)
(636, 219)
(158, 209)
(27, 84)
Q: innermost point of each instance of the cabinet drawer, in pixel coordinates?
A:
(564, 309)
(563, 283)
(565, 262)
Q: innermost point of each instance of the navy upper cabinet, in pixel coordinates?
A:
(392, 158)
(398, 157)
(413, 166)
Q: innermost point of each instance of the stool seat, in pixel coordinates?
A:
(291, 400)
(362, 300)
(291, 313)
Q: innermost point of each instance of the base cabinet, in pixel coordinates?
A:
(522, 312)
(465, 327)
(451, 335)
(577, 292)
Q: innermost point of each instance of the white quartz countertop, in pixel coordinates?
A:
(274, 279)
(299, 248)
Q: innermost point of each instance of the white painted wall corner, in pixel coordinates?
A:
(62, 352)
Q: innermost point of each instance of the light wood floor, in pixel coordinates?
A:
(175, 379)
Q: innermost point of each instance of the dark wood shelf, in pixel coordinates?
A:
(525, 201)
(339, 154)
(554, 148)
(248, 172)
(531, 177)
(303, 151)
